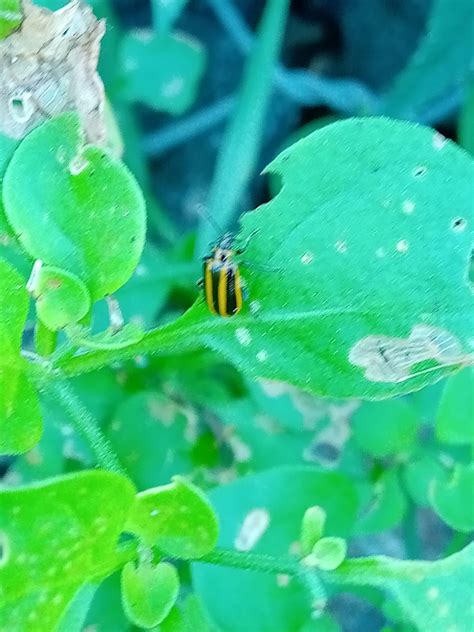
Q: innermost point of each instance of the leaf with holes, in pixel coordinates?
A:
(434, 596)
(94, 226)
(20, 417)
(177, 518)
(262, 513)
(162, 71)
(149, 592)
(10, 16)
(56, 536)
(357, 273)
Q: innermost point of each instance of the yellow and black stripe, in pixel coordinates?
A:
(222, 287)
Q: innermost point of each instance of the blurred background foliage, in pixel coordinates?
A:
(396, 475)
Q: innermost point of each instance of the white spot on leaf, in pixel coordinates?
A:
(255, 523)
(402, 245)
(341, 246)
(439, 141)
(380, 252)
(432, 593)
(387, 359)
(262, 356)
(307, 258)
(408, 206)
(243, 336)
(282, 580)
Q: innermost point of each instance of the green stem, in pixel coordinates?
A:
(241, 144)
(259, 562)
(45, 340)
(85, 424)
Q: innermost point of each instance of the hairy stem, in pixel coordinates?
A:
(85, 424)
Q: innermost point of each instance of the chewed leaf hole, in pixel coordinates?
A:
(20, 107)
(4, 548)
(458, 224)
(420, 171)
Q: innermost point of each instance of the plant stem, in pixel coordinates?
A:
(241, 144)
(259, 562)
(45, 340)
(85, 424)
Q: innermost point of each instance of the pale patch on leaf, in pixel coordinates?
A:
(388, 359)
(49, 66)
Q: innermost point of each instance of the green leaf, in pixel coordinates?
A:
(453, 500)
(74, 617)
(387, 506)
(421, 473)
(327, 554)
(56, 536)
(466, 122)
(166, 12)
(162, 71)
(150, 435)
(440, 65)
(263, 513)
(106, 611)
(20, 417)
(7, 147)
(95, 224)
(10, 16)
(149, 592)
(433, 595)
(385, 428)
(455, 416)
(177, 518)
(312, 528)
(61, 297)
(357, 275)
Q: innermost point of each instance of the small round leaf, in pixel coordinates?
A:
(61, 297)
(177, 518)
(453, 501)
(149, 592)
(74, 206)
(327, 554)
(312, 528)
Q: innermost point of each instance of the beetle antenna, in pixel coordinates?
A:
(203, 212)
